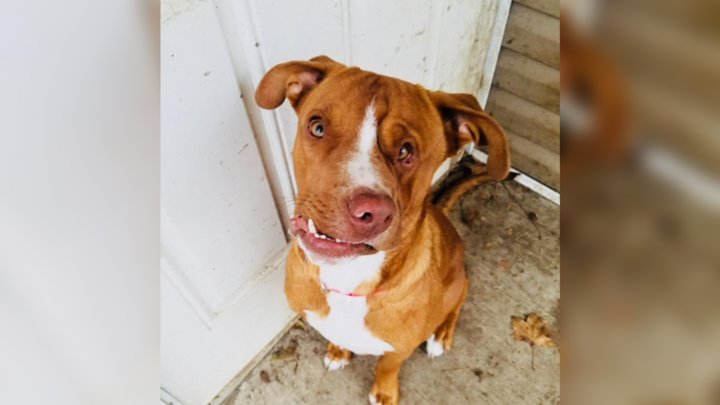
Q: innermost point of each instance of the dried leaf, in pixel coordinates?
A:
(285, 352)
(467, 216)
(532, 329)
(265, 377)
(299, 324)
(490, 201)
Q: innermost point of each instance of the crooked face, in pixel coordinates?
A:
(365, 152)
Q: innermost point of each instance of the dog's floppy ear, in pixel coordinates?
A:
(293, 80)
(465, 122)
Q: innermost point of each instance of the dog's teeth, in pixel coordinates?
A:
(311, 227)
(313, 230)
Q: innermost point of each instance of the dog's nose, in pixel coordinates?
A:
(370, 213)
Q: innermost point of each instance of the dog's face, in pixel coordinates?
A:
(366, 149)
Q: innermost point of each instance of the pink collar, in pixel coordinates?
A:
(329, 290)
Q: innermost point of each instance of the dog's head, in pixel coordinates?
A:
(366, 149)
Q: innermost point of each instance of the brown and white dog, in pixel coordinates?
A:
(375, 268)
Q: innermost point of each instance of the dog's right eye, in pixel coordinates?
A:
(405, 151)
(316, 128)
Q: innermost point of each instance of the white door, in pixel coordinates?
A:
(227, 185)
(220, 226)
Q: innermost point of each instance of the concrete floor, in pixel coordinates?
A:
(513, 260)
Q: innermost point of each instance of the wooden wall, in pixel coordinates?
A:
(525, 96)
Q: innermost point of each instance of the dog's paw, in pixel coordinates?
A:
(336, 357)
(380, 399)
(434, 347)
(334, 364)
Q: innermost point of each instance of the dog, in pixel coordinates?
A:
(375, 267)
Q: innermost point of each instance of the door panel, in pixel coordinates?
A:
(220, 225)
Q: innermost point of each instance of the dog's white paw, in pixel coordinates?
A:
(333, 365)
(372, 399)
(433, 347)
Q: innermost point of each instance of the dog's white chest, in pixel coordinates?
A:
(345, 324)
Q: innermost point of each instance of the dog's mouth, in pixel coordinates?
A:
(325, 245)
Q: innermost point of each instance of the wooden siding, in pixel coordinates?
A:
(525, 96)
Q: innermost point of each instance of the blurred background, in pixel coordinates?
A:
(641, 202)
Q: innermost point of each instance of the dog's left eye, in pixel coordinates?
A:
(316, 128)
(406, 151)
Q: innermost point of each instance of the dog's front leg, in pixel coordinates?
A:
(386, 390)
